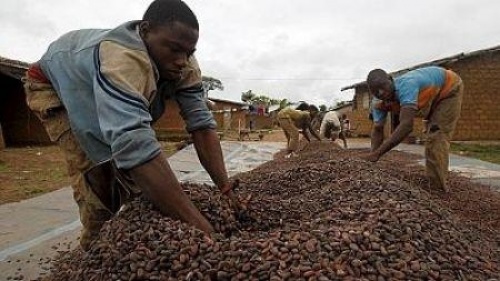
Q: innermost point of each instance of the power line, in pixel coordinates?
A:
(289, 79)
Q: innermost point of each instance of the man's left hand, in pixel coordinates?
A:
(227, 192)
(233, 200)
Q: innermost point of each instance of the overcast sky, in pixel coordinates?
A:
(295, 49)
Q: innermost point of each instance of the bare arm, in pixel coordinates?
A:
(313, 132)
(405, 127)
(377, 136)
(209, 151)
(343, 138)
(305, 128)
(160, 185)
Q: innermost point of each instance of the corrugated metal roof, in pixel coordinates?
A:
(228, 101)
(438, 62)
(13, 68)
(345, 104)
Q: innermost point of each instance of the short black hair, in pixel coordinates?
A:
(376, 79)
(312, 107)
(162, 12)
(303, 106)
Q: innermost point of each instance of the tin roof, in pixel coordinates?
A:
(438, 62)
(13, 68)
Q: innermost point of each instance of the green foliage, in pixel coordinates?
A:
(284, 103)
(489, 153)
(253, 98)
(248, 96)
(3, 166)
(210, 83)
(33, 190)
(274, 101)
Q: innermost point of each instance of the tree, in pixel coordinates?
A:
(210, 83)
(262, 99)
(274, 102)
(284, 103)
(252, 98)
(322, 107)
(248, 96)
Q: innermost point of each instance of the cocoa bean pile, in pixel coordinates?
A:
(325, 215)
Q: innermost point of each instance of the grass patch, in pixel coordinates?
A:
(3, 166)
(489, 153)
(58, 174)
(169, 148)
(33, 190)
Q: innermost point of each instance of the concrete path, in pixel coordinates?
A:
(33, 230)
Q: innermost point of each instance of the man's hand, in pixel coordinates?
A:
(372, 156)
(227, 192)
(233, 200)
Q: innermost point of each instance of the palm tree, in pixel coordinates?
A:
(248, 96)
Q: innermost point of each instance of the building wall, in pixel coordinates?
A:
(235, 115)
(171, 120)
(480, 115)
(343, 110)
(19, 125)
(2, 141)
(261, 122)
(361, 125)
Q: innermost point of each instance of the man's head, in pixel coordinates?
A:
(303, 106)
(313, 110)
(380, 84)
(170, 32)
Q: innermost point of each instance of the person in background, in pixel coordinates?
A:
(345, 124)
(97, 93)
(433, 93)
(292, 121)
(331, 128)
(304, 106)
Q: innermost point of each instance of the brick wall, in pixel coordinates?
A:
(238, 119)
(260, 121)
(171, 120)
(360, 124)
(480, 116)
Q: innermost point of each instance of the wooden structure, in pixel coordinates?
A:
(19, 126)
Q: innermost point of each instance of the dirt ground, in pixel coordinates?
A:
(29, 171)
(26, 172)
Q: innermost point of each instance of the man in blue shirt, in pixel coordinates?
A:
(97, 92)
(432, 93)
